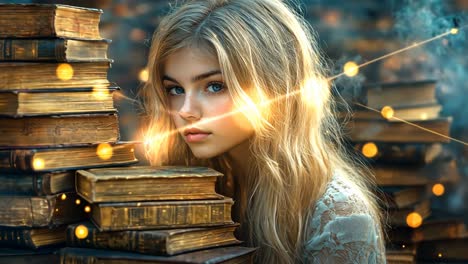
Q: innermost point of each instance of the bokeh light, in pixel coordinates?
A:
(81, 232)
(351, 69)
(64, 71)
(438, 189)
(387, 112)
(104, 151)
(143, 75)
(454, 31)
(38, 164)
(369, 150)
(87, 209)
(63, 197)
(414, 220)
(78, 201)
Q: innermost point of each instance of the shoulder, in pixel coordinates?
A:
(342, 225)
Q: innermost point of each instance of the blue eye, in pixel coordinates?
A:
(215, 87)
(175, 90)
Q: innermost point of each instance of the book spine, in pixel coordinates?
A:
(120, 240)
(28, 184)
(16, 237)
(32, 49)
(26, 211)
(16, 160)
(164, 216)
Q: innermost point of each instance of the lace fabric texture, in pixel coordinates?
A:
(342, 229)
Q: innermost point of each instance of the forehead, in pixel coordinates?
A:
(190, 61)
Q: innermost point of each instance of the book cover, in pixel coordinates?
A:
(145, 183)
(36, 184)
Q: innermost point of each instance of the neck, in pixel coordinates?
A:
(240, 158)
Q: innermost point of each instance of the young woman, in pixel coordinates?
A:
(239, 85)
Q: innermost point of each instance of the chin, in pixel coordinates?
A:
(201, 153)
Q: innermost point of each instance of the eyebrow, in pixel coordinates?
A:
(196, 78)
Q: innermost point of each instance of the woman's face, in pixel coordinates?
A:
(201, 106)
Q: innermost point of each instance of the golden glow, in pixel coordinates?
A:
(387, 112)
(370, 150)
(101, 92)
(439, 255)
(77, 201)
(403, 246)
(438, 189)
(414, 220)
(38, 164)
(350, 69)
(423, 116)
(81, 232)
(454, 31)
(143, 75)
(87, 209)
(64, 71)
(312, 90)
(104, 151)
(63, 197)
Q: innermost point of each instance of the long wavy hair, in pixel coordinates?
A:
(274, 72)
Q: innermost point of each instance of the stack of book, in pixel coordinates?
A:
(411, 167)
(167, 214)
(56, 116)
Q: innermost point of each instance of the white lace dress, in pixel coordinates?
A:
(342, 230)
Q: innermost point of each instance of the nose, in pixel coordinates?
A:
(190, 110)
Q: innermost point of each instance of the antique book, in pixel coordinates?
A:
(47, 20)
(400, 256)
(219, 255)
(53, 49)
(407, 153)
(145, 183)
(444, 250)
(50, 159)
(431, 229)
(154, 242)
(401, 197)
(41, 211)
(398, 94)
(29, 256)
(413, 113)
(161, 214)
(22, 103)
(444, 171)
(53, 76)
(36, 184)
(64, 130)
(32, 238)
(361, 130)
(398, 217)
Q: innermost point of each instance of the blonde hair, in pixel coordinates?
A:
(272, 68)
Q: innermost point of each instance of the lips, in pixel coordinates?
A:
(195, 135)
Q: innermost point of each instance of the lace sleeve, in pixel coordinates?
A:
(342, 231)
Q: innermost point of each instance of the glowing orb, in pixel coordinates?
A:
(403, 246)
(81, 232)
(104, 151)
(351, 69)
(143, 75)
(387, 112)
(439, 255)
(100, 92)
(438, 189)
(87, 209)
(38, 164)
(370, 150)
(414, 220)
(454, 31)
(63, 197)
(77, 201)
(64, 71)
